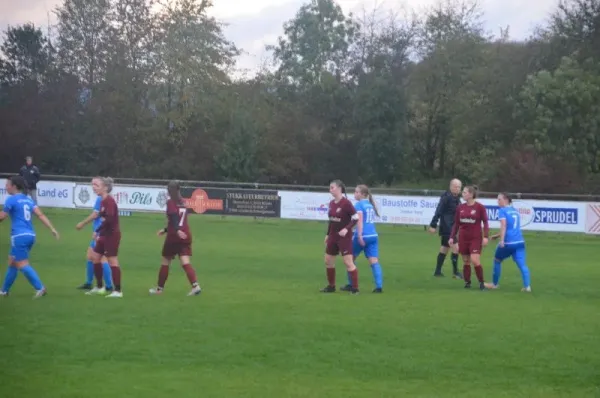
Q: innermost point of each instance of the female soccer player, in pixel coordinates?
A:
(467, 223)
(108, 239)
(342, 218)
(511, 243)
(365, 236)
(178, 241)
(96, 221)
(19, 207)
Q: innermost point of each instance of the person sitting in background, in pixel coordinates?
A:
(31, 175)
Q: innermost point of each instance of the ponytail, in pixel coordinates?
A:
(373, 204)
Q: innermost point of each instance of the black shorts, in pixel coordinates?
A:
(444, 240)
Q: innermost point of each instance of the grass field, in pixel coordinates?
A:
(261, 329)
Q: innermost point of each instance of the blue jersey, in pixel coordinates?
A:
(512, 217)
(97, 207)
(20, 208)
(368, 218)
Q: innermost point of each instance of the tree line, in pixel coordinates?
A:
(131, 88)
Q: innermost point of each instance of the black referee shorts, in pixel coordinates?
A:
(444, 240)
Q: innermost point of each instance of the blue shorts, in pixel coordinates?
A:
(371, 247)
(21, 246)
(516, 251)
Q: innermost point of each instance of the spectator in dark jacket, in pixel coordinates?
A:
(31, 174)
(444, 214)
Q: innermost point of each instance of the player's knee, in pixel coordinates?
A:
(373, 260)
(329, 261)
(444, 249)
(349, 262)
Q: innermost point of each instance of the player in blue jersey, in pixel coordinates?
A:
(511, 243)
(19, 208)
(365, 237)
(96, 221)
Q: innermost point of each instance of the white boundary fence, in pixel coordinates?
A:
(536, 215)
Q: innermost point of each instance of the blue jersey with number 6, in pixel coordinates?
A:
(513, 233)
(20, 208)
(368, 218)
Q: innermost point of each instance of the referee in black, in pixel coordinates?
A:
(444, 214)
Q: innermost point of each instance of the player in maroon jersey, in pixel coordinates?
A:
(108, 238)
(342, 218)
(178, 241)
(468, 219)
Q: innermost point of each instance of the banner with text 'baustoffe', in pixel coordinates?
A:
(134, 198)
(536, 215)
(49, 193)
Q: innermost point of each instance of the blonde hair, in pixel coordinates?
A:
(108, 183)
(366, 192)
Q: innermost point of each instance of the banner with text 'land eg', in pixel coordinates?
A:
(536, 215)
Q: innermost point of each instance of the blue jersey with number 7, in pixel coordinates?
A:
(20, 208)
(513, 225)
(368, 218)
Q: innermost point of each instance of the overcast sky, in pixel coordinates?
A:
(256, 23)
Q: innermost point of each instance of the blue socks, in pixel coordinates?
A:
(32, 277)
(497, 272)
(9, 279)
(89, 273)
(524, 273)
(377, 275)
(107, 275)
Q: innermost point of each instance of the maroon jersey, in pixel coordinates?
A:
(177, 220)
(468, 220)
(109, 212)
(341, 215)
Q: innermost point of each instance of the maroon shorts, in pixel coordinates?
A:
(172, 249)
(340, 245)
(108, 245)
(469, 247)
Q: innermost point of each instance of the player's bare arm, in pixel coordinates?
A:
(93, 216)
(46, 222)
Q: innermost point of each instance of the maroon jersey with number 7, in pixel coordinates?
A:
(178, 209)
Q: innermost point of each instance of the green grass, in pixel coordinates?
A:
(261, 329)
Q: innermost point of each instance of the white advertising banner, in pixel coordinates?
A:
(49, 193)
(536, 215)
(134, 198)
(592, 219)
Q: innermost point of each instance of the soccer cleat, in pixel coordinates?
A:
(3, 294)
(40, 293)
(97, 291)
(482, 286)
(526, 289)
(457, 275)
(347, 288)
(468, 285)
(328, 289)
(115, 294)
(155, 291)
(85, 286)
(196, 290)
(491, 286)
(378, 290)
(354, 291)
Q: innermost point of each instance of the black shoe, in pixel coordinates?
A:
(482, 286)
(378, 290)
(457, 275)
(85, 286)
(328, 289)
(468, 285)
(347, 288)
(354, 291)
